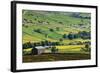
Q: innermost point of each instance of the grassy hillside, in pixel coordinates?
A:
(58, 22)
(67, 33)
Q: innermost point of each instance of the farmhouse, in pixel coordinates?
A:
(39, 50)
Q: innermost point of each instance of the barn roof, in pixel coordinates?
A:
(41, 47)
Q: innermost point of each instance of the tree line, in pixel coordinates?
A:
(41, 43)
(70, 36)
(48, 43)
(81, 34)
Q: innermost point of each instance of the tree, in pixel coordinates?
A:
(42, 43)
(35, 19)
(27, 45)
(64, 36)
(70, 36)
(34, 44)
(76, 15)
(84, 35)
(52, 30)
(57, 43)
(76, 36)
(48, 22)
(60, 22)
(46, 42)
(60, 39)
(38, 30)
(26, 26)
(87, 46)
(54, 49)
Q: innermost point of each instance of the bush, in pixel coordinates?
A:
(86, 48)
(70, 36)
(38, 30)
(64, 36)
(27, 45)
(84, 35)
(54, 49)
(52, 30)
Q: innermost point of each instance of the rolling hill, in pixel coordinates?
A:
(50, 25)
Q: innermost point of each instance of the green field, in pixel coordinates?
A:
(68, 32)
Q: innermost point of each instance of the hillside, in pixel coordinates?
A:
(46, 25)
(62, 35)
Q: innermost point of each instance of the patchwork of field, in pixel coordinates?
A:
(38, 24)
(68, 32)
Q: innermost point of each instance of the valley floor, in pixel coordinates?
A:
(56, 57)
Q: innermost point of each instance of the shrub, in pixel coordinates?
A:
(52, 30)
(27, 45)
(70, 36)
(54, 49)
(64, 36)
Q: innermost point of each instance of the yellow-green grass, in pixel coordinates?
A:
(27, 50)
(63, 49)
(28, 38)
(70, 48)
(49, 39)
(67, 30)
(67, 41)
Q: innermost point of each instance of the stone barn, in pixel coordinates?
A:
(38, 50)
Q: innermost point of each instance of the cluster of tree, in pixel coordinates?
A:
(46, 43)
(44, 33)
(27, 45)
(87, 48)
(60, 22)
(56, 29)
(26, 26)
(38, 30)
(52, 30)
(26, 21)
(43, 22)
(85, 35)
(42, 43)
(79, 43)
(54, 49)
(78, 15)
(81, 34)
(41, 32)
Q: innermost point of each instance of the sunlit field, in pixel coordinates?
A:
(55, 36)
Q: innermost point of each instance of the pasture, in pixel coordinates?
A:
(67, 33)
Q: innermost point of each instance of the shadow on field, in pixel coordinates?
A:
(55, 57)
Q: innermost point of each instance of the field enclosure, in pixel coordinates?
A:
(55, 36)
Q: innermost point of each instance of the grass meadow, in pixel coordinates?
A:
(55, 36)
